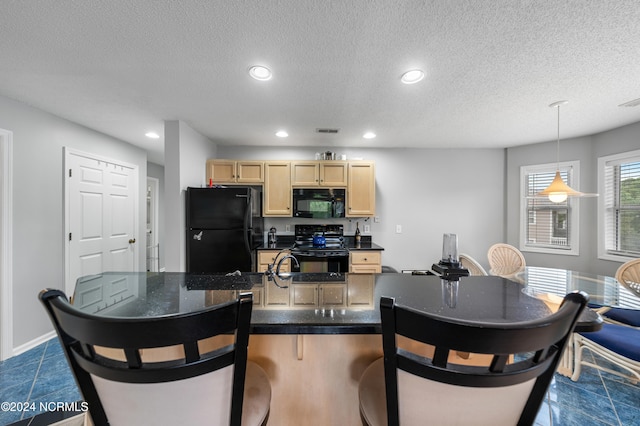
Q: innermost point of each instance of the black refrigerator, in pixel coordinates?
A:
(224, 228)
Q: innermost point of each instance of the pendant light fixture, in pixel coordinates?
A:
(558, 191)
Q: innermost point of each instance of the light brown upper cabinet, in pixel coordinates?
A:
(319, 173)
(361, 189)
(231, 171)
(277, 189)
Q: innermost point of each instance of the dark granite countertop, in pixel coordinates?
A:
(287, 242)
(322, 303)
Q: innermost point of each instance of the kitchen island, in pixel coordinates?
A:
(314, 334)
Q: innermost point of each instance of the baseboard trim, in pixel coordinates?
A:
(33, 343)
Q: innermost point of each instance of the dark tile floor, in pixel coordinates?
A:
(597, 398)
(38, 375)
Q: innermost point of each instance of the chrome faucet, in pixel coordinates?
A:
(277, 264)
(289, 256)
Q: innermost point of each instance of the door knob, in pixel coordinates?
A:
(131, 241)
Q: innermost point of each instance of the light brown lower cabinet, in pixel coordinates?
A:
(365, 262)
(314, 377)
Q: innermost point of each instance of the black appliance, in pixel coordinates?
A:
(332, 256)
(224, 228)
(319, 203)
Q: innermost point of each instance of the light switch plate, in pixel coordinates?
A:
(398, 229)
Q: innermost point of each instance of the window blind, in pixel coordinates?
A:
(622, 206)
(548, 224)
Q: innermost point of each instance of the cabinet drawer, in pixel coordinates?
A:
(269, 256)
(365, 257)
(366, 269)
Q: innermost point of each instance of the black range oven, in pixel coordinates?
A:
(329, 256)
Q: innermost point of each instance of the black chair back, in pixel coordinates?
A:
(82, 335)
(519, 353)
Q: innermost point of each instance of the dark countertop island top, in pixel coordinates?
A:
(321, 303)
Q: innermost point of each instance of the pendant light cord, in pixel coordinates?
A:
(558, 143)
(557, 105)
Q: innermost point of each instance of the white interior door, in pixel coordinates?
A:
(101, 216)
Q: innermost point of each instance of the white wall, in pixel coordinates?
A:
(586, 150)
(38, 242)
(186, 154)
(428, 192)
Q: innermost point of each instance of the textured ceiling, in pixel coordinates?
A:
(122, 67)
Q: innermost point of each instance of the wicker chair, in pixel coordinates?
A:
(628, 275)
(505, 259)
(618, 344)
(472, 265)
(619, 341)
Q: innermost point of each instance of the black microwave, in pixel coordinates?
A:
(321, 203)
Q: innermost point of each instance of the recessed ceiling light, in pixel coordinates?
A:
(412, 76)
(152, 135)
(369, 135)
(282, 134)
(260, 73)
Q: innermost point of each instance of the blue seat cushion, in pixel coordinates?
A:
(627, 316)
(620, 339)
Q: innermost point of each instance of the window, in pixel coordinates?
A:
(548, 227)
(619, 206)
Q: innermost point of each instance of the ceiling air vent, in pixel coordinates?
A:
(633, 103)
(327, 131)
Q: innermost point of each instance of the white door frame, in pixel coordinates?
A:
(152, 213)
(69, 286)
(6, 242)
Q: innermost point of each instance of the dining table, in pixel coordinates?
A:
(550, 284)
(315, 333)
(603, 291)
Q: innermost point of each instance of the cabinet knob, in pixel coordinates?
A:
(132, 241)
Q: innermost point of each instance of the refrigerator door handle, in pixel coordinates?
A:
(247, 215)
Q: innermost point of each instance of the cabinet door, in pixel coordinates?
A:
(333, 173)
(275, 296)
(361, 190)
(304, 294)
(277, 189)
(250, 171)
(221, 171)
(360, 291)
(304, 173)
(333, 295)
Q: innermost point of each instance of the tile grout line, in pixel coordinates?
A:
(604, 385)
(35, 378)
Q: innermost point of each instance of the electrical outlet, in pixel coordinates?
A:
(367, 229)
(287, 228)
(398, 229)
(376, 219)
